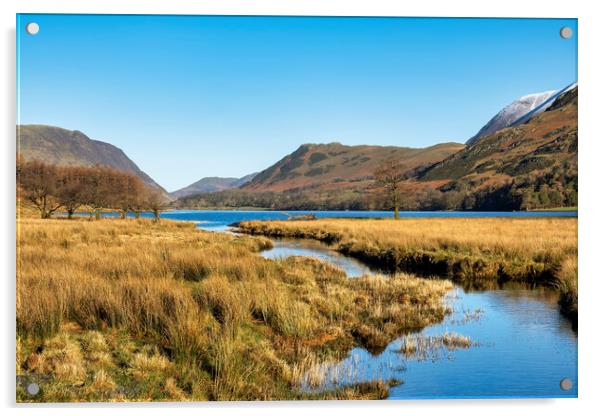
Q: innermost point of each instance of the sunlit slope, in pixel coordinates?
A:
(336, 165)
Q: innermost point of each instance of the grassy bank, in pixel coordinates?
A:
(139, 310)
(476, 252)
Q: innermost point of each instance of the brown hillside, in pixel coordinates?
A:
(547, 140)
(335, 165)
(59, 146)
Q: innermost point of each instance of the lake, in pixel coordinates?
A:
(219, 220)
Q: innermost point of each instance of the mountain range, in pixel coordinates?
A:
(527, 161)
(211, 184)
(522, 157)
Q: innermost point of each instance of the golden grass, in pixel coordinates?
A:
(473, 251)
(505, 237)
(137, 310)
(568, 287)
(420, 347)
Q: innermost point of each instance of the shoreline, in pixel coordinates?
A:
(251, 209)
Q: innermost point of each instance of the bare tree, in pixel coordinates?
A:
(127, 189)
(38, 183)
(389, 175)
(155, 202)
(138, 201)
(99, 189)
(51, 187)
(70, 189)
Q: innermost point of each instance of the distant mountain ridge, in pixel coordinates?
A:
(528, 161)
(525, 166)
(60, 146)
(211, 184)
(520, 111)
(335, 165)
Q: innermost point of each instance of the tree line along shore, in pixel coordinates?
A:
(49, 188)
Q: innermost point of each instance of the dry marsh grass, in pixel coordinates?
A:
(420, 347)
(137, 310)
(473, 251)
(508, 238)
(568, 287)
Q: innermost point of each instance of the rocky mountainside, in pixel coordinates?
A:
(530, 165)
(548, 139)
(520, 111)
(334, 165)
(73, 148)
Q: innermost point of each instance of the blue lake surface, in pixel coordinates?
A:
(219, 220)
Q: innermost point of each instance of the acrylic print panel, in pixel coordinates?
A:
(295, 208)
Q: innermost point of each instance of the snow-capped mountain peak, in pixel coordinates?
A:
(520, 111)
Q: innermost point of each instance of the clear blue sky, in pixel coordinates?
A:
(188, 97)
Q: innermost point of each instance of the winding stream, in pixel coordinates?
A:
(286, 247)
(524, 346)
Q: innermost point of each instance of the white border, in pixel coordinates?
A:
(590, 152)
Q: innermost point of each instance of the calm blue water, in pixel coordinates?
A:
(525, 347)
(283, 248)
(219, 220)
